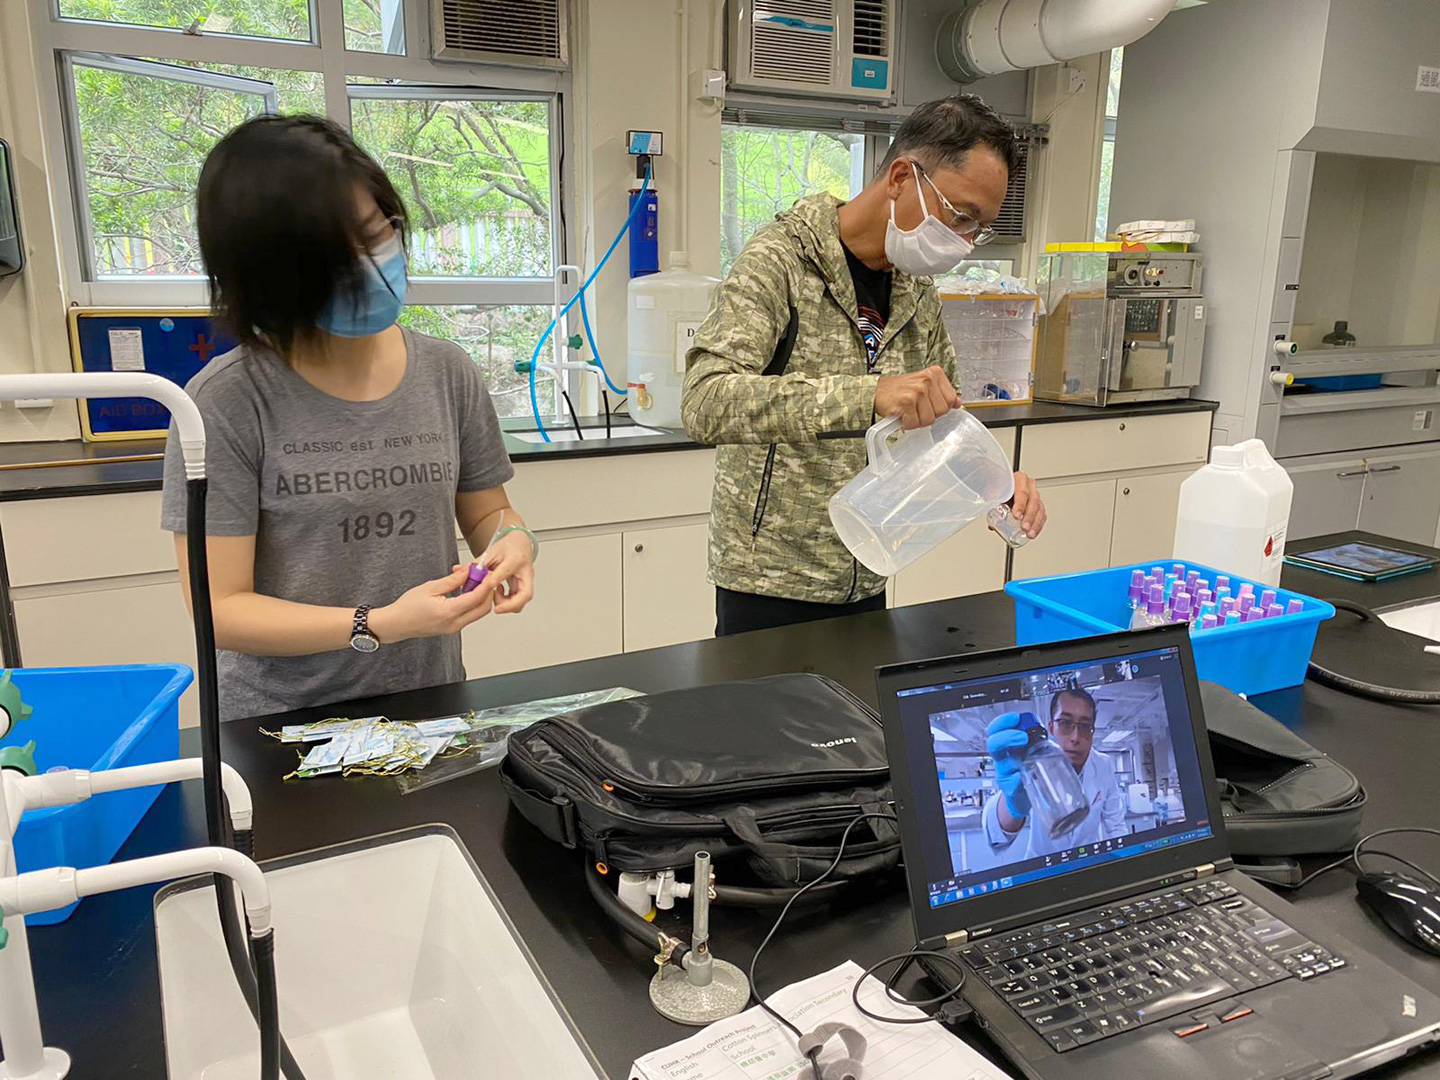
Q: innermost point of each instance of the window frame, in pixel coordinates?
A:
(411, 75)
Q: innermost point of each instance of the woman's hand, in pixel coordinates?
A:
(1027, 507)
(429, 609)
(511, 562)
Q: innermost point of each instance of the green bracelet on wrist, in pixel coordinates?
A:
(534, 543)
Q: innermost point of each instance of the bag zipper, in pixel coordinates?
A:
(643, 792)
(1358, 800)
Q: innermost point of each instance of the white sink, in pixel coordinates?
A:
(392, 960)
(567, 434)
(1422, 620)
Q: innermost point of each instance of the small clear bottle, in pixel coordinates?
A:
(1057, 798)
(1002, 519)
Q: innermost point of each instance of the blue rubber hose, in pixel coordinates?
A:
(535, 356)
(595, 349)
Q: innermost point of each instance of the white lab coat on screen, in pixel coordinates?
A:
(1105, 821)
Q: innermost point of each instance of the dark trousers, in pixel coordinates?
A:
(737, 612)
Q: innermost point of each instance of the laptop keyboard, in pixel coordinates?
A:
(1159, 958)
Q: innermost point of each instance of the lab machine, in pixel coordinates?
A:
(1120, 326)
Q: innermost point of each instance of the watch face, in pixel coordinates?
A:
(364, 642)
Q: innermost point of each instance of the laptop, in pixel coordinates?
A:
(1129, 945)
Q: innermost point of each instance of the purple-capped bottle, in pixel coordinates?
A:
(1267, 598)
(1274, 611)
(1205, 596)
(1254, 615)
(1295, 607)
(474, 577)
(1222, 582)
(1247, 603)
(1181, 611)
(1155, 607)
(1208, 622)
(1191, 578)
(1227, 605)
(1137, 589)
(1203, 585)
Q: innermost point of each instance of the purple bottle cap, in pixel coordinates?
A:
(474, 578)
(1295, 607)
(1222, 582)
(1254, 615)
(1137, 577)
(1178, 569)
(1156, 604)
(1191, 578)
(1226, 606)
(1267, 598)
(1205, 596)
(1182, 607)
(1274, 611)
(1208, 622)
(1246, 589)
(1247, 603)
(1158, 573)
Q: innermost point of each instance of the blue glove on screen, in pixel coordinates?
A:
(1005, 742)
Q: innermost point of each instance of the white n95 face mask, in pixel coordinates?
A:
(932, 247)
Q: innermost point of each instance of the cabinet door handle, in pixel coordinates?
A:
(1125, 492)
(1122, 425)
(639, 548)
(1386, 468)
(1352, 472)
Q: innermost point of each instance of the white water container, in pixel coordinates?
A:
(1234, 513)
(665, 310)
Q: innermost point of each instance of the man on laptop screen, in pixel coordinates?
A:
(1072, 726)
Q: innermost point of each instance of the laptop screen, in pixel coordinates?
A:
(1122, 726)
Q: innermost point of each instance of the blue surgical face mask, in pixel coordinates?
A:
(381, 296)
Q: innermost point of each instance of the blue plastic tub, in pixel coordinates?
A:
(93, 718)
(1252, 658)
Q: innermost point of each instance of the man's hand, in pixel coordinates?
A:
(917, 398)
(1006, 743)
(1027, 507)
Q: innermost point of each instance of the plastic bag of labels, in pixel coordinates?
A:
(484, 740)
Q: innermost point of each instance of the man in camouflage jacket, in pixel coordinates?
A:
(790, 427)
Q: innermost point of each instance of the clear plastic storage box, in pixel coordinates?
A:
(994, 336)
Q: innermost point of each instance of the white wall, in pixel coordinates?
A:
(32, 304)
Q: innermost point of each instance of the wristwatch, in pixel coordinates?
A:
(362, 639)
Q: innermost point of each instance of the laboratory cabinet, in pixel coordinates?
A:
(1395, 494)
(666, 597)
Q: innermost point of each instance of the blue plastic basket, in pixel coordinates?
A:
(1251, 658)
(93, 718)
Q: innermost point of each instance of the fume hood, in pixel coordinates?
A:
(1304, 136)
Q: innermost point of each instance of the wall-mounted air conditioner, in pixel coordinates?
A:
(528, 33)
(830, 48)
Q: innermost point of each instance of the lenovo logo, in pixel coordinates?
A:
(834, 742)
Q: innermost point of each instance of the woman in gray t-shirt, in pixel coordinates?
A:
(341, 449)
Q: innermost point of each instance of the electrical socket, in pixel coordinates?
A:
(708, 85)
(1074, 79)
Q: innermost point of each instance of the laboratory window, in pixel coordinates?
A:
(281, 20)
(1107, 144)
(764, 170)
(495, 336)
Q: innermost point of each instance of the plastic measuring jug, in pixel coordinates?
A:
(921, 489)
(1057, 797)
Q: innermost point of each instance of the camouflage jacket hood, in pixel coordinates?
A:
(789, 440)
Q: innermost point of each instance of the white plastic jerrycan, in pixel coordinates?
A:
(921, 489)
(1234, 513)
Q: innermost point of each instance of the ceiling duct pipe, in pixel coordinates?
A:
(992, 36)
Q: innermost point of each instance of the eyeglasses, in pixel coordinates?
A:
(1068, 727)
(962, 224)
(381, 235)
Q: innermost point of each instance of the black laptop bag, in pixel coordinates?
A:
(1280, 795)
(768, 771)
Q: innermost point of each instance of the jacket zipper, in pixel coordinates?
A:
(643, 792)
(762, 496)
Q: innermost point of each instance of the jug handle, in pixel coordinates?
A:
(877, 443)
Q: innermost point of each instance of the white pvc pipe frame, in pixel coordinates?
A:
(1010, 35)
(26, 1057)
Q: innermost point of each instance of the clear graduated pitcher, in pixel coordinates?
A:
(923, 488)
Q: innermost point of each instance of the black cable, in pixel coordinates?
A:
(1359, 852)
(814, 1055)
(1361, 688)
(642, 931)
(905, 959)
(575, 420)
(605, 402)
(217, 817)
(263, 950)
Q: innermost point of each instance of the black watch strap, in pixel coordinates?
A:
(362, 621)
